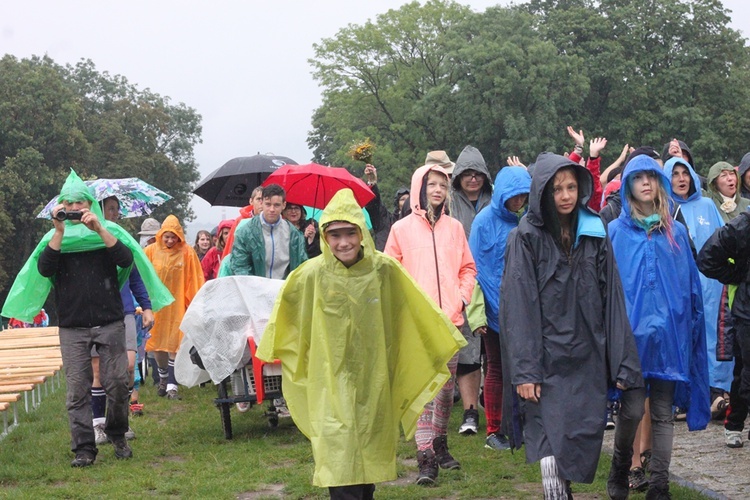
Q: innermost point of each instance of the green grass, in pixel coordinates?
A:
(180, 452)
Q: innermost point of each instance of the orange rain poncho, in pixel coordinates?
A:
(180, 270)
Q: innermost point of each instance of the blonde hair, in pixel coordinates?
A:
(660, 204)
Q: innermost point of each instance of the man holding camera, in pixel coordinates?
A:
(90, 313)
(86, 259)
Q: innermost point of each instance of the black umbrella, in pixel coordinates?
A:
(231, 184)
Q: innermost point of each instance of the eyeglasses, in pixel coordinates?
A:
(471, 175)
(292, 207)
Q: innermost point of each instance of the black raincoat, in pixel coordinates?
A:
(563, 325)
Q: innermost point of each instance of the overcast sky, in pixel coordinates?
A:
(241, 64)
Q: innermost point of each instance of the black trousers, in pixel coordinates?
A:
(352, 492)
(738, 393)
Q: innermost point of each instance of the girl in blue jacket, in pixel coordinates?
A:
(665, 307)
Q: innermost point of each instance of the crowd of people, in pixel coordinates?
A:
(549, 300)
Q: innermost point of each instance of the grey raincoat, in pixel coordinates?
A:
(563, 325)
(461, 208)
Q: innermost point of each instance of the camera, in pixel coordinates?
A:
(62, 215)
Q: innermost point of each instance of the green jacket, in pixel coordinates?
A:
(248, 257)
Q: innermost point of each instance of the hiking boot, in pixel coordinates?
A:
(172, 394)
(100, 437)
(129, 435)
(83, 459)
(428, 468)
(618, 486)
(443, 457)
(162, 390)
(497, 442)
(658, 493)
(122, 448)
(470, 423)
(637, 479)
(136, 409)
(733, 439)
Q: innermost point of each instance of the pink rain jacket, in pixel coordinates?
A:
(437, 258)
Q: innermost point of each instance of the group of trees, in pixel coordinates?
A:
(508, 80)
(54, 118)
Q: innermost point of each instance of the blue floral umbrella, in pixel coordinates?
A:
(137, 197)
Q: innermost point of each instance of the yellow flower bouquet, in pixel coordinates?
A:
(362, 151)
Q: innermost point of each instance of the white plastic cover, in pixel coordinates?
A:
(221, 317)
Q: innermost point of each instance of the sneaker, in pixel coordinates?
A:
(122, 448)
(637, 479)
(100, 437)
(658, 493)
(172, 394)
(243, 406)
(469, 425)
(136, 409)
(733, 439)
(428, 468)
(618, 482)
(83, 459)
(162, 391)
(443, 457)
(497, 442)
(610, 420)
(281, 409)
(129, 435)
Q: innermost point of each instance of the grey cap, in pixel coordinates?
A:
(149, 227)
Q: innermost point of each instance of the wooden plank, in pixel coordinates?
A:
(15, 388)
(22, 379)
(6, 344)
(4, 406)
(31, 352)
(36, 363)
(33, 370)
(26, 333)
(9, 398)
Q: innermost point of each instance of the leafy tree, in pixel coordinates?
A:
(54, 118)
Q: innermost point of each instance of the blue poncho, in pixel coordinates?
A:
(664, 302)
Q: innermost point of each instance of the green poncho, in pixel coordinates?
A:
(30, 289)
(362, 349)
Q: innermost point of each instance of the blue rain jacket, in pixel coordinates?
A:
(664, 302)
(703, 218)
(489, 233)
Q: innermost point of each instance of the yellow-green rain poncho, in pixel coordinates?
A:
(30, 289)
(362, 349)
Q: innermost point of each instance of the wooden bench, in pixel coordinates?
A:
(29, 357)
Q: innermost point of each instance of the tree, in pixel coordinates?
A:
(54, 118)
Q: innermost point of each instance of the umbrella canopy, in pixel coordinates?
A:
(231, 184)
(314, 185)
(136, 197)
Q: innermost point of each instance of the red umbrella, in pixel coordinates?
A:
(314, 185)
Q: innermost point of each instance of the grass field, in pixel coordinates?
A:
(180, 452)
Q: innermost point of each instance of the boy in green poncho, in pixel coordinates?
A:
(86, 261)
(362, 349)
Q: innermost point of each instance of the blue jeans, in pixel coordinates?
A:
(75, 347)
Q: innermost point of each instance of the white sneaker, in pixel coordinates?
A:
(129, 434)
(733, 439)
(100, 437)
(281, 409)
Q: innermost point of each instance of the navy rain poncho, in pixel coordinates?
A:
(564, 325)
